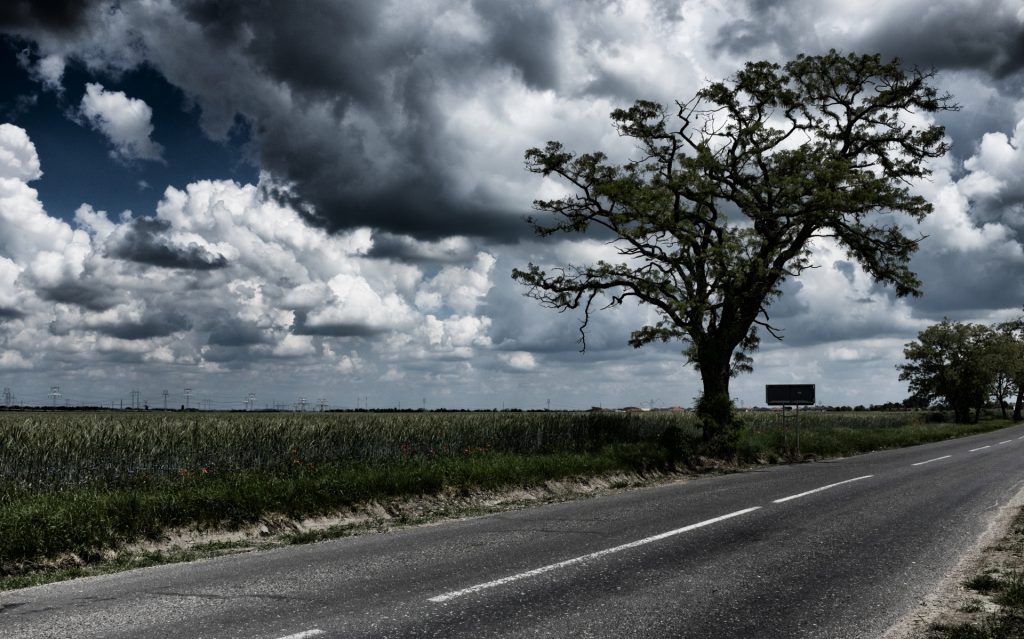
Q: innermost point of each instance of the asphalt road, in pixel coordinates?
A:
(746, 555)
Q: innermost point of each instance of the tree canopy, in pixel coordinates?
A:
(964, 365)
(728, 189)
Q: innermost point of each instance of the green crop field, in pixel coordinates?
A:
(56, 450)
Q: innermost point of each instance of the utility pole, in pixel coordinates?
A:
(549, 403)
(165, 398)
(7, 396)
(322, 403)
(188, 396)
(302, 404)
(251, 401)
(54, 395)
(135, 398)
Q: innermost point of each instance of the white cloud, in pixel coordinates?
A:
(104, 291)
(294, 346)
(50, 70)
(997, 167)
(126, 122)
(18, 157)
(519, 360)
(460, 289)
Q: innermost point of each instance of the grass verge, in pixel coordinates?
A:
(995, 609)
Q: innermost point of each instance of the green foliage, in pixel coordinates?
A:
(813, 148)
(964, 365)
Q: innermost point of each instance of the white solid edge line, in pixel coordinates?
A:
(931, 460)
(305, 633)
(1006, 442)
(818, 490)
(594, 555)
(982, 448)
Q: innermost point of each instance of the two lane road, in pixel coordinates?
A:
(842, 548)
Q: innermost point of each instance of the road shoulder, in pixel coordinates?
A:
(952, 603)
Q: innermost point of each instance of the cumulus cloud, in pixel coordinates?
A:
(519, 360)
(126, 122)
(222, 277)
(18, 158)
(994, 175)
(144, 240)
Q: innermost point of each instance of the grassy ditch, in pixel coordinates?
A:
(79, 485)
(995, 610)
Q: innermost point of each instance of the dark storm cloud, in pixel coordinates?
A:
(341, 56)
(523, 36)
(144, 243)
(778, 23)
(959, 35)
(614, 84)
(90, 296)
(57, 15)
(8, 314)
(953, 35)
(320, 48)
(961, 284)
(348, 329)
(237, 333)
(150, 325)
(405, 249)
(361, 135)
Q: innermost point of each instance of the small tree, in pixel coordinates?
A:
(951, 361)
(726, 194)
(1009, 362)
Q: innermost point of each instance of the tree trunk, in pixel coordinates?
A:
(1019, 404)
(714, 408)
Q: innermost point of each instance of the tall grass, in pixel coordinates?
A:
(56, 450)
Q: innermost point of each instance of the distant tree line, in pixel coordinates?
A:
(965, 366)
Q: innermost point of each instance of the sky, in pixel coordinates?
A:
(325, 200)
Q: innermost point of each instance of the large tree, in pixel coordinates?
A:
(727, 192)
(953, 362)
(1009, 356)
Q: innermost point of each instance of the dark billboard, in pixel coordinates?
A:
(789, 394)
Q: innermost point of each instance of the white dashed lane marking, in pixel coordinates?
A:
(818, 490)
(977, 449)
(315, 632)
(594, 555)
(931, 460)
